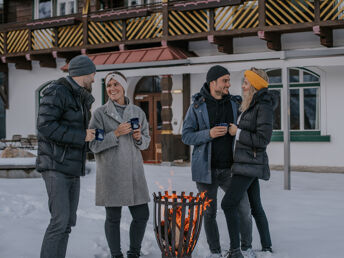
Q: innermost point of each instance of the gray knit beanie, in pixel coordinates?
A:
(81, 65)
(216, 72)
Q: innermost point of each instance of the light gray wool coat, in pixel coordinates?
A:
(120, 179)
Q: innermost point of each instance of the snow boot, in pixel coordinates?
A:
(248, 253)
(235, 253)
(267, 249)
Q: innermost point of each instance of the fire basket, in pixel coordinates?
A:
(177, 222)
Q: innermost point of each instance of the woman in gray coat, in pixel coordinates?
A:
(120, 179)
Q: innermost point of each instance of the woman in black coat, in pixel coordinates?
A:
(253, 134)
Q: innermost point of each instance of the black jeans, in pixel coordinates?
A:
(230, 203)
(63, 192)
(222, 178)
(140, 214)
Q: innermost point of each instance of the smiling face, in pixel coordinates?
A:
(220, 87)
(246, 85)
(115, 90)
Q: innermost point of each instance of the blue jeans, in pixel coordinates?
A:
(222, 178)
(241, 186)
(140, 214)
(63, 193)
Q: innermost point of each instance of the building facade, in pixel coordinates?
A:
(165, 49)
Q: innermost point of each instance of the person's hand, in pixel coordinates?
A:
(137, 134)
(218, 131)
(122, 129)
(90, 135)
(232, 129)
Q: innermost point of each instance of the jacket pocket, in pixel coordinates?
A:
(59, 152)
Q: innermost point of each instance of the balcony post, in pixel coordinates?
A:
(211, 20)
(85, 11)
(29, 38)
(165, 18)
(262, 14)
(5, 42)
(317, 11)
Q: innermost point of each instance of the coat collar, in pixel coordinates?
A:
(111, 111)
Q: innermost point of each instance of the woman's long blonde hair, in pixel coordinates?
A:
(247, 98)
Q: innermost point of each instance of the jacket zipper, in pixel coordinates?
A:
(254, 153)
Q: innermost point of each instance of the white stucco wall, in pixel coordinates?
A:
(21, 115)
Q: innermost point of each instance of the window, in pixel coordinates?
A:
(43, 9)
(50, 8)
(2, 10)
(65, 7)
(304, 87)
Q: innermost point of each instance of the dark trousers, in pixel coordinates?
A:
(222, 178)
(230, 204)
(63, 192)
(140, 214)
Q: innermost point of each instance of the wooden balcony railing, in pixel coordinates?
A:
(170, 21)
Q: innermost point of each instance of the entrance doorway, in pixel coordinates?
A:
(148, 97)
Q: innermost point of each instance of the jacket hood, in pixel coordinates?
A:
(266, 96)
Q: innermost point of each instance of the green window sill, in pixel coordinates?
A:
(301, 136)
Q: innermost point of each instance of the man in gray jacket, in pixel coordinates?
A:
(206, 128)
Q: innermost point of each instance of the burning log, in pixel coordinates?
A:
(177, 222)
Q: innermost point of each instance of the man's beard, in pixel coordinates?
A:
(88, 87)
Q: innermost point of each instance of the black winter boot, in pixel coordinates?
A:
(118, 256)
(235, 253)
(131, 254)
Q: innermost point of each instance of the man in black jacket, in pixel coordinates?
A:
(206, 128)
(62, 123)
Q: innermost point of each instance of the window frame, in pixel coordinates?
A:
(303, 135)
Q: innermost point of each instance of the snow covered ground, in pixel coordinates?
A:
(306, 222)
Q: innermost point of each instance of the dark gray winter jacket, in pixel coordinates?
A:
(63, 118)
(250, 158)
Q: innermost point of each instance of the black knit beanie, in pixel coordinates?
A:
(216, 72)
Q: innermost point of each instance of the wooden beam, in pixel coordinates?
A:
(325, 34)
(224, 43)
(197, 5)
(45, 60)
(273, 39)
(21, 62)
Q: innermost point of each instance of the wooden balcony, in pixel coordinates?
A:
(173, 22)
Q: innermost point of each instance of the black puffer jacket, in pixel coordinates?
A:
(63, 117)
(250, 158)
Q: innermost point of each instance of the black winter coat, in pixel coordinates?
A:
(63, 118)
(250, 158)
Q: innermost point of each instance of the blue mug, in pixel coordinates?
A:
(99, 134)
(135, 124)
(222, 124)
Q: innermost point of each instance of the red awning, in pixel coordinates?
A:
(156, 54)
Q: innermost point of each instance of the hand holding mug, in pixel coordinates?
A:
(90, 135)
(232, 129)
(137, 134)
(123, 129)
(218, 131)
